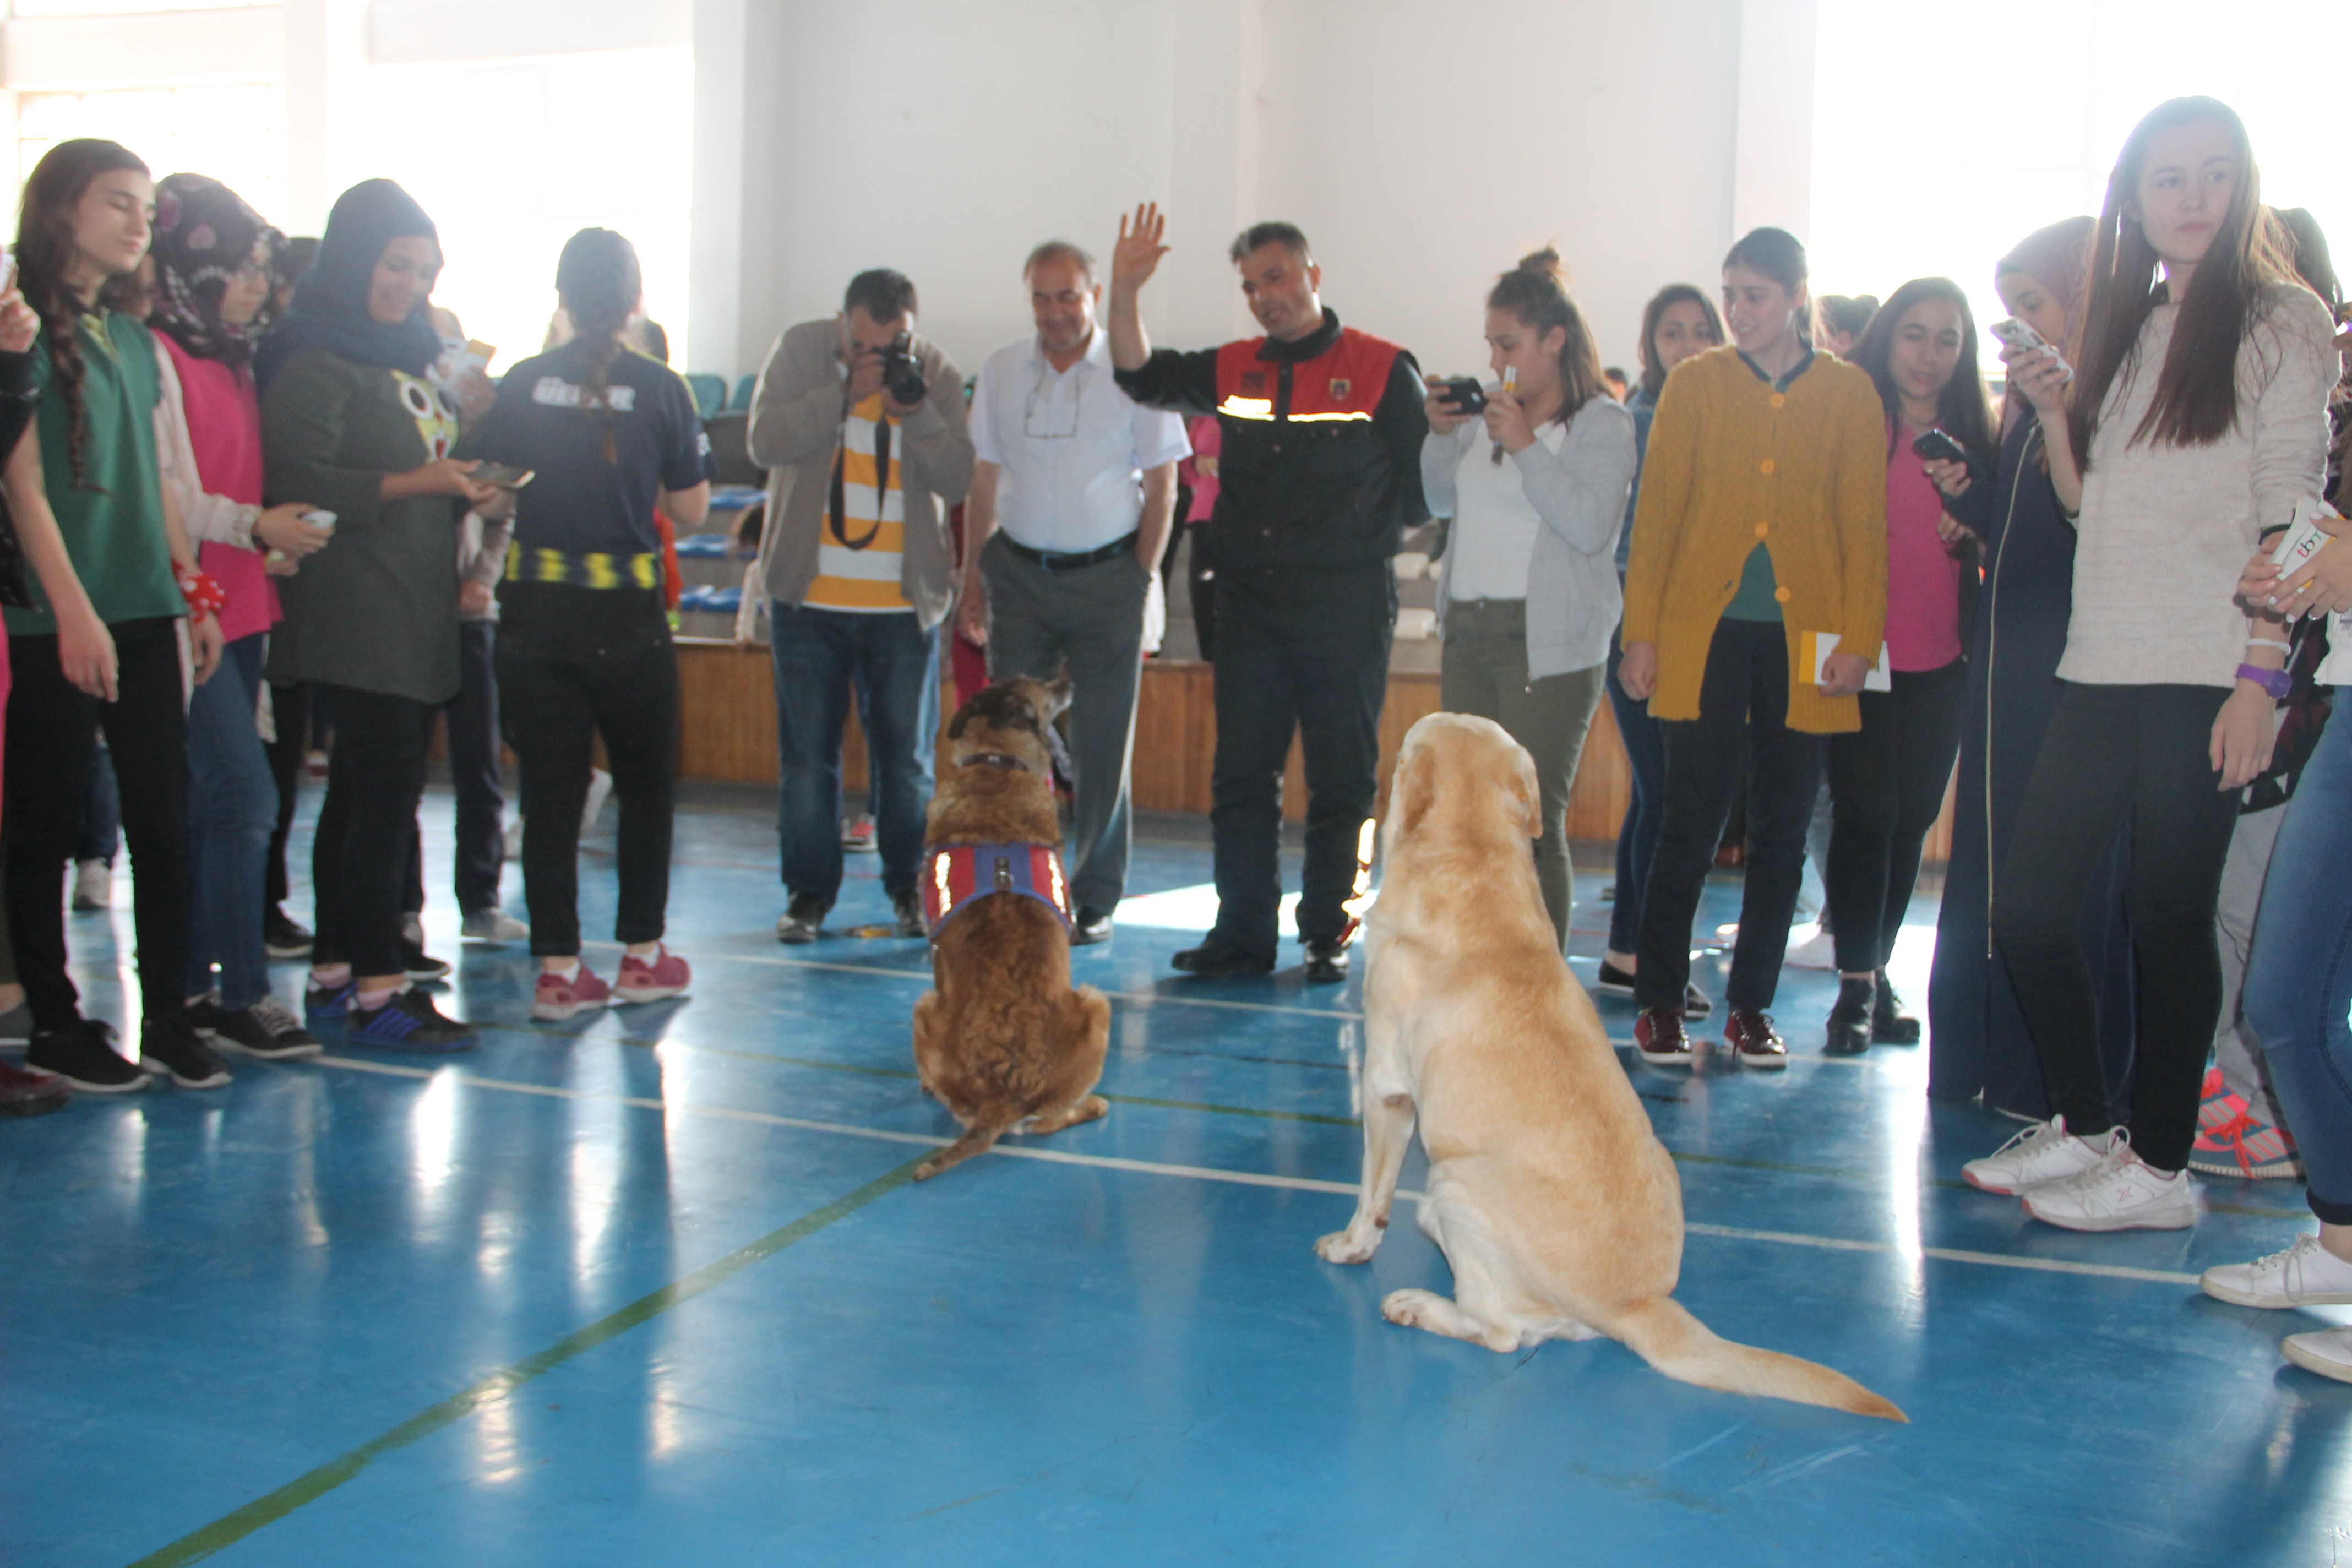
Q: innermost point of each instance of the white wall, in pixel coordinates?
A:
(1421, 148)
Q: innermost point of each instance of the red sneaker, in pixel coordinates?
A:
(664, 978)
(26, 1093)
(558, 999)
(1663, 1042)
(1753, 1039)
(2230, 1141)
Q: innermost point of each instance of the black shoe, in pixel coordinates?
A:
(1212, 962)
(408, 1022)
(172, 1046)
(1695, 1003)
(282, 937)
(1889, 1024)
(1612, 978)
(83, 1053)
(421, 964)
(1849, 1026)
(1093, 925)
(803, 917)
(1326, 962)
(267, 1029)
(906, 915)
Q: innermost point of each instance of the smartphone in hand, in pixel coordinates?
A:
(1937, 445)
(1465, 395)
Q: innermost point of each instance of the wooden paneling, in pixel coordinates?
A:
(728, 733)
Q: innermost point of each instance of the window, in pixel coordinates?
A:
(236, 133)
(120, 7)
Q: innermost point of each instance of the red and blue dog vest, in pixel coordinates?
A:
(960, 875)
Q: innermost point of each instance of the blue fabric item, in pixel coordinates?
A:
(1978, 1042)
(328, 1004)
(232, 812)
(100, 838)
(709, 392)
(330, 309)
(745, 385)
(2299, 979)
(1645, 813)
(1644, 408)
(960, 875)
(394, 1029)
(816, 653)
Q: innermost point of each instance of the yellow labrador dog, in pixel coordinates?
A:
(1558, 1209)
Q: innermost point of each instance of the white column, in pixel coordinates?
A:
(325, 84)
(1772, 180)
(715, 259)
(1218, 64)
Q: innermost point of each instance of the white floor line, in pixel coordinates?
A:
(1236, 1178)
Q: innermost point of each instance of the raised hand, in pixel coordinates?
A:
(1137, 255)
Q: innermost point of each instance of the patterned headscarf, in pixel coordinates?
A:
(203, 233)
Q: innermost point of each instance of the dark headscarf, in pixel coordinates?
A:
(203, 233)
(330, 309)
(2059, 258)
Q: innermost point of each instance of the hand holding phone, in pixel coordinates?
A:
(2021, 338)
(503, 476)
(1937, 445)
(1465, 394)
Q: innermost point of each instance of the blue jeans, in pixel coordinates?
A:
(1637, 835)
(2299, 978)
(816, 654)
(232, 811)
(100, 838)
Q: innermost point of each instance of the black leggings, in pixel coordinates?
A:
(359, 862)
(51, 728)
(1886, 787)
(573, 663)
(2115, 753)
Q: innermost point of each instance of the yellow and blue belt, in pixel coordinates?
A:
(583, 569)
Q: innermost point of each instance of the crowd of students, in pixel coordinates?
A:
(1806, 557)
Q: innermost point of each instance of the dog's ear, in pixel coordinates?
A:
(1525, 790)
(956, 724)
(1412, 787)
(1056, 698)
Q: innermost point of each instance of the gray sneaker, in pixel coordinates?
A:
(803, 919)
(494, 926)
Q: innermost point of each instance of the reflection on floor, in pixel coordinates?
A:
(652, 1290)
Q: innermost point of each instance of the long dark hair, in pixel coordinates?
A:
(2196, 400)
(599, 282)
(1962, 410)
(1537, 293)
(1654, 374)
(45, 254)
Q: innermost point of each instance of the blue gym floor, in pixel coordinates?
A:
(653, 1288)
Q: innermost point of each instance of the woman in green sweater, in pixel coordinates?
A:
(349, 421)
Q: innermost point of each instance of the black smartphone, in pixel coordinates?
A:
(502, 475)
(1465, 395)
(1939, 446)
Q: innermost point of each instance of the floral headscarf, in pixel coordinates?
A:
(203, 233)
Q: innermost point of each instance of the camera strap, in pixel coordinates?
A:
(837, 507)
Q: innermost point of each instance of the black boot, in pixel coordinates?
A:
(1889, 1024)
(1850, 1019)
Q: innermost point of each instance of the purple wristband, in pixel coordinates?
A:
(2274, 681)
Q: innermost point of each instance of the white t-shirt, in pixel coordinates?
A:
(1070, 447)
(1495, 525)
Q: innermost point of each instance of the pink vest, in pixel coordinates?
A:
(224, 431)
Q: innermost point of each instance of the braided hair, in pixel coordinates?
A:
(599, 284)
(45, 255)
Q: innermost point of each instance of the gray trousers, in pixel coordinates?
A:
(2235, 1051)
(1089, 620)
(1484, 672)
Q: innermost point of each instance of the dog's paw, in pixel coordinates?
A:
(1341, 1247)
(1409, 1308)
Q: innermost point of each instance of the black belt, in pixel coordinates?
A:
(1068, 560)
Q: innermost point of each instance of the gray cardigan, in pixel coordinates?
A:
(795, 423)
(1573, 596)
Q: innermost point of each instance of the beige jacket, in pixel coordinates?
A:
(796, 416)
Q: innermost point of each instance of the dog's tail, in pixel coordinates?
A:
(979, 1139)
(1687, 1349)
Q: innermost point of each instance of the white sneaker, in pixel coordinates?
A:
(494, 926)
(600, 789)
(93, 885)
(2304, 1274)
(2327, 1351)
(2043, 1153)
(2122, 1192)
(1818, 950)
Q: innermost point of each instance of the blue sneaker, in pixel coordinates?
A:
(325, 1004)
(409, 1022)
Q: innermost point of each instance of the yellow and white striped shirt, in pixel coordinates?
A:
(857, 557)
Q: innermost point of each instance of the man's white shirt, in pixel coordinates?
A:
(1069, 446)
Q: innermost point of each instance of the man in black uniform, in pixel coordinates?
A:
(1320, 474)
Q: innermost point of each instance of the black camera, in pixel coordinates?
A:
(1465, 394)
(902, 378)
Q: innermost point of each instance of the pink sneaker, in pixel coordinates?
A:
(659, 981)
(2232, 1142)
(558, 999)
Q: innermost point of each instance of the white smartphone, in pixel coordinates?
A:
(2018, 335)
(320, 519)
(2303, 538)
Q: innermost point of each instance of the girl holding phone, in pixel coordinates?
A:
(1887, 779)
(2197, 419)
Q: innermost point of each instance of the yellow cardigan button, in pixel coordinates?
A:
(1781, 595)
(1768, 465)
(1762, 529)
(1780, 400)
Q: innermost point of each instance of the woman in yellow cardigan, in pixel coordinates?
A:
(1761, 526)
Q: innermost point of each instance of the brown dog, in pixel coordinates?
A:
(1559, 1210)
(1003, 1041)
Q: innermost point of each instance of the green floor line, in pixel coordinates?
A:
(230, 1529)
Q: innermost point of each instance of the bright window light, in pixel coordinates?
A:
(236, 133)
(1937, 146)
(121, 8)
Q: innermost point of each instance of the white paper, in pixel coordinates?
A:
(1825, 643)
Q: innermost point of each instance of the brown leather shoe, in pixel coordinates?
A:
(1659, 1036)
(1753, 1039)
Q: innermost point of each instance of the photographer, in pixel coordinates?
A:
(861, 427)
